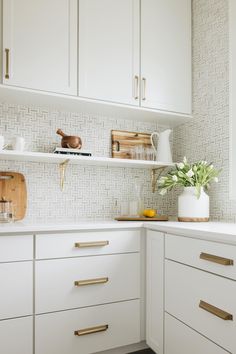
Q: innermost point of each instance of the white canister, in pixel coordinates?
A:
(18, 143)
(191, 208)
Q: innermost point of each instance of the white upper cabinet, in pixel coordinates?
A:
(109, 50)
(40, 45)
(166, 55)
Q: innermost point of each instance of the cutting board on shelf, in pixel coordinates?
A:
(123, 142)
(13, 187)
(142, 218)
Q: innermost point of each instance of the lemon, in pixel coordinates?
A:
(150, 213)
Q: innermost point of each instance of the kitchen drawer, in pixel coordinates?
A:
(88, 243)
(186, 287)
(16, 294)
(55, 332)
(180, 339)
(188, 251)
(55, 289)
(16, 336)
(16, 248)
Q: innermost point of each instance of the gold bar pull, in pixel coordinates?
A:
(136, 86)
(216, 259)
(144, 81)
(91, 244)
(91, 281)
(85, 331)
(7, 52)
(216, 311)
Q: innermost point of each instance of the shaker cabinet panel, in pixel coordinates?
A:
(109, 50)
(16, 295)
(16, 336)
(101, 328)
(181, 339)
(154, 290)
(40, 45)
(166, 55)
(86, 281)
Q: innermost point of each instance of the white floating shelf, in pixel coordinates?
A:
(79, 160)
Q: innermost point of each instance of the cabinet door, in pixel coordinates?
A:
(155, 285)
(40, 44)
(166, 55)
(16, 295)
(109, 50)
(16, 336)
(181, 339)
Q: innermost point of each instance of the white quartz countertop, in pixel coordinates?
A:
(214, 231)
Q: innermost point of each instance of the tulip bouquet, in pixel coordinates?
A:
(199, 175)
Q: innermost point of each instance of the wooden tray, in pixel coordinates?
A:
(14, 189)
(142, 218)
(123, 142)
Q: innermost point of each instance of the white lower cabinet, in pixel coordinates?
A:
(155, 294)
(180, 339)
(203, 301)
(99, 328)
(86, 281)
(16, 294)
(16, 336)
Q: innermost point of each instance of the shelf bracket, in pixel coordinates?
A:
(155, 174)
(62, 168)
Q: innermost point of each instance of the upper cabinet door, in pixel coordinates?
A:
(40, 44)
(166, 55)
(109, 50)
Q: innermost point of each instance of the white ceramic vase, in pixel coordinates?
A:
(190, 208)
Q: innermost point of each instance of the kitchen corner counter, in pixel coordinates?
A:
(49, 227)
(213, 231)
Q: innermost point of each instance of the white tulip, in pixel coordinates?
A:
(185, 159)
(216, 179)
(190, 173)
(180, 165)
(175, 178)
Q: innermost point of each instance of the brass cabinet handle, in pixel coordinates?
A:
(7, 52)
(144, 81)
(216, 259)
(91, 244)
(91, 281)
(216, 311)
(136, 86)
(85, 331)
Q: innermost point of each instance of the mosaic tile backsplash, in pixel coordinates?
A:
(90, 192)
(97, 192)
(207, 136)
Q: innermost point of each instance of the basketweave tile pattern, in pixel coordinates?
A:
(97, 192)
(207, 136)
(90, 192)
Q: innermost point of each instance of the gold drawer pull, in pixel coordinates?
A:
(85, 331)
(136, 87)
(91, 244)
(91, 281)
(216, 259)
(7, 52)
(216, 311)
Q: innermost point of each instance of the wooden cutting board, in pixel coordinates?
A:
(13, 187)
(142, 218)
(123, 142)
